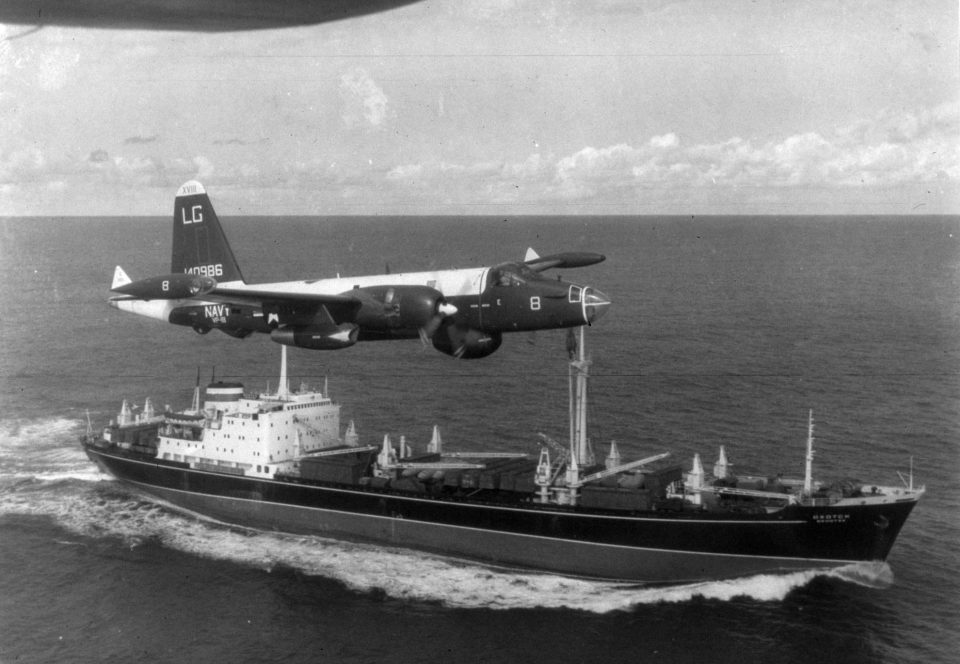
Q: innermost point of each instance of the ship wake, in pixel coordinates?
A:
(63, 491)
(43, 450)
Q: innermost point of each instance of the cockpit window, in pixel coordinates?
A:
(512, 274)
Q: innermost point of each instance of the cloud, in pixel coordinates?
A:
(28, 164)
(363, 99)
(140, 140)
(888, 150)
(666, 141)
(928, 40)
(914, 149)
(49, 69)
(406, 172)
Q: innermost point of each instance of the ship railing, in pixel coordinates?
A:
(898, 492)
(810, 501)
(218, 468)
(188, 435)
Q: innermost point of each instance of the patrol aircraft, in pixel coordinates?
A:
(462, 312)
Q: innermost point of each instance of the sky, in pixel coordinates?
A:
(496, 107)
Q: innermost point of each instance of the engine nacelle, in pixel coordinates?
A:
(317, 337)
(466, 343)
(393, 308)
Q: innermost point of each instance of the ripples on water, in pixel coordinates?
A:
(43, 473)
(721, 333)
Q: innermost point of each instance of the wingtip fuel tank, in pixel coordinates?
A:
(167, 287)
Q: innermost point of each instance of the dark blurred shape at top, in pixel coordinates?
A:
(198, 15)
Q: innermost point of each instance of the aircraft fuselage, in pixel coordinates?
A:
(508, 306)
(463, 312)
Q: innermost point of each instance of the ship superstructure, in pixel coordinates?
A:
(257, 436)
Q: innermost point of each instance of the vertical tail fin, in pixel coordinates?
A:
(199, 245)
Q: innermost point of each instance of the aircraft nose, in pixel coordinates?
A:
(595, 305)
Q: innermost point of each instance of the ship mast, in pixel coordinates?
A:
(283, 389)
(808, 472)
(195, 405)
(579, 371)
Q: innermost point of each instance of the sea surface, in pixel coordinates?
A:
(723, 331)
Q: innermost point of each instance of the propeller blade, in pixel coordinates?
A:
(444, 310)
(424, 339)
(431, 327)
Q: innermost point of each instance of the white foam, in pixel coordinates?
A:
(45, 449)
(44, 472)
(18, 434)
(398, 573)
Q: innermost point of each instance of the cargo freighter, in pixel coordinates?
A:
(278, 461)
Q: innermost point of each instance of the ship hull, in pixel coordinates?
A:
(641, 548)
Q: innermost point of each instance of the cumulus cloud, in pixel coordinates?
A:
(204, 167)
(666, 141)
(406, 172)
(889, 150)
(364, 102)
(27, 164)
(48, 69)
(99, 166)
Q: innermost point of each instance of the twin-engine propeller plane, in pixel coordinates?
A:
(462, 312)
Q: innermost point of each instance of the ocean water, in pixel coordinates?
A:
(723, 331)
